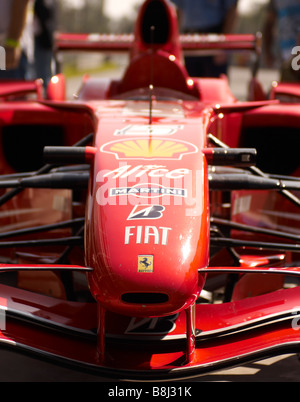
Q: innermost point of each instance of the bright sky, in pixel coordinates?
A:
(246, 5)
(119, 8)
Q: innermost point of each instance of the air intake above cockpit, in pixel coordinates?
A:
(156, 16)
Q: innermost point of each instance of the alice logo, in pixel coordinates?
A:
(2, 58)
(296, 59)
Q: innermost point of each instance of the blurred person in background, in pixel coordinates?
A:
(45, 15)
(282, 26)
(206, 16)
(14, 37)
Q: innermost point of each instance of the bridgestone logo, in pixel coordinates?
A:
(140, 191)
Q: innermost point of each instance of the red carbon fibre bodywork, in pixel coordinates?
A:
(148, 205)
(172, 240)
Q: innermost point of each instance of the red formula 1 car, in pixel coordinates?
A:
(149, 228)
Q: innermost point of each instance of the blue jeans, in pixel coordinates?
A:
(43, 63)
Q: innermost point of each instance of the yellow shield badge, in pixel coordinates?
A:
(145, 263)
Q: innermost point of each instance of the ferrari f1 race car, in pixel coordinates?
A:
(150, 227)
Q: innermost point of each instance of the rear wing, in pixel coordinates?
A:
(93, 42)
(189, 42)
(211, 42)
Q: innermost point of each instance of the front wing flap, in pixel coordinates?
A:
(227, 334)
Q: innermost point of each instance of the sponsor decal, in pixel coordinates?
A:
(156, 325)
(159, 110)
(136, 172)
(145, 263)
(142, 148)
(148, 190)
(146, 235)
(151, 184)
(148, 130)
(146, 212)
(241, 205)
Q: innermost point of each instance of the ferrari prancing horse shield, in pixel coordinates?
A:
(145, 263)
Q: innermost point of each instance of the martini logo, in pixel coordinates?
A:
(148, 190)
(145, 263)
(149, 149)
(146, 212)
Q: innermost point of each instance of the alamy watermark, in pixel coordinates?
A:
(2, 58)
(152, 185)
(2, 319)
(296, 319)
(296, 59)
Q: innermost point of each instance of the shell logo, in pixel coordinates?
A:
(157, 148)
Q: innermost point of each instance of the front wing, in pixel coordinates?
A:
(227, 334)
